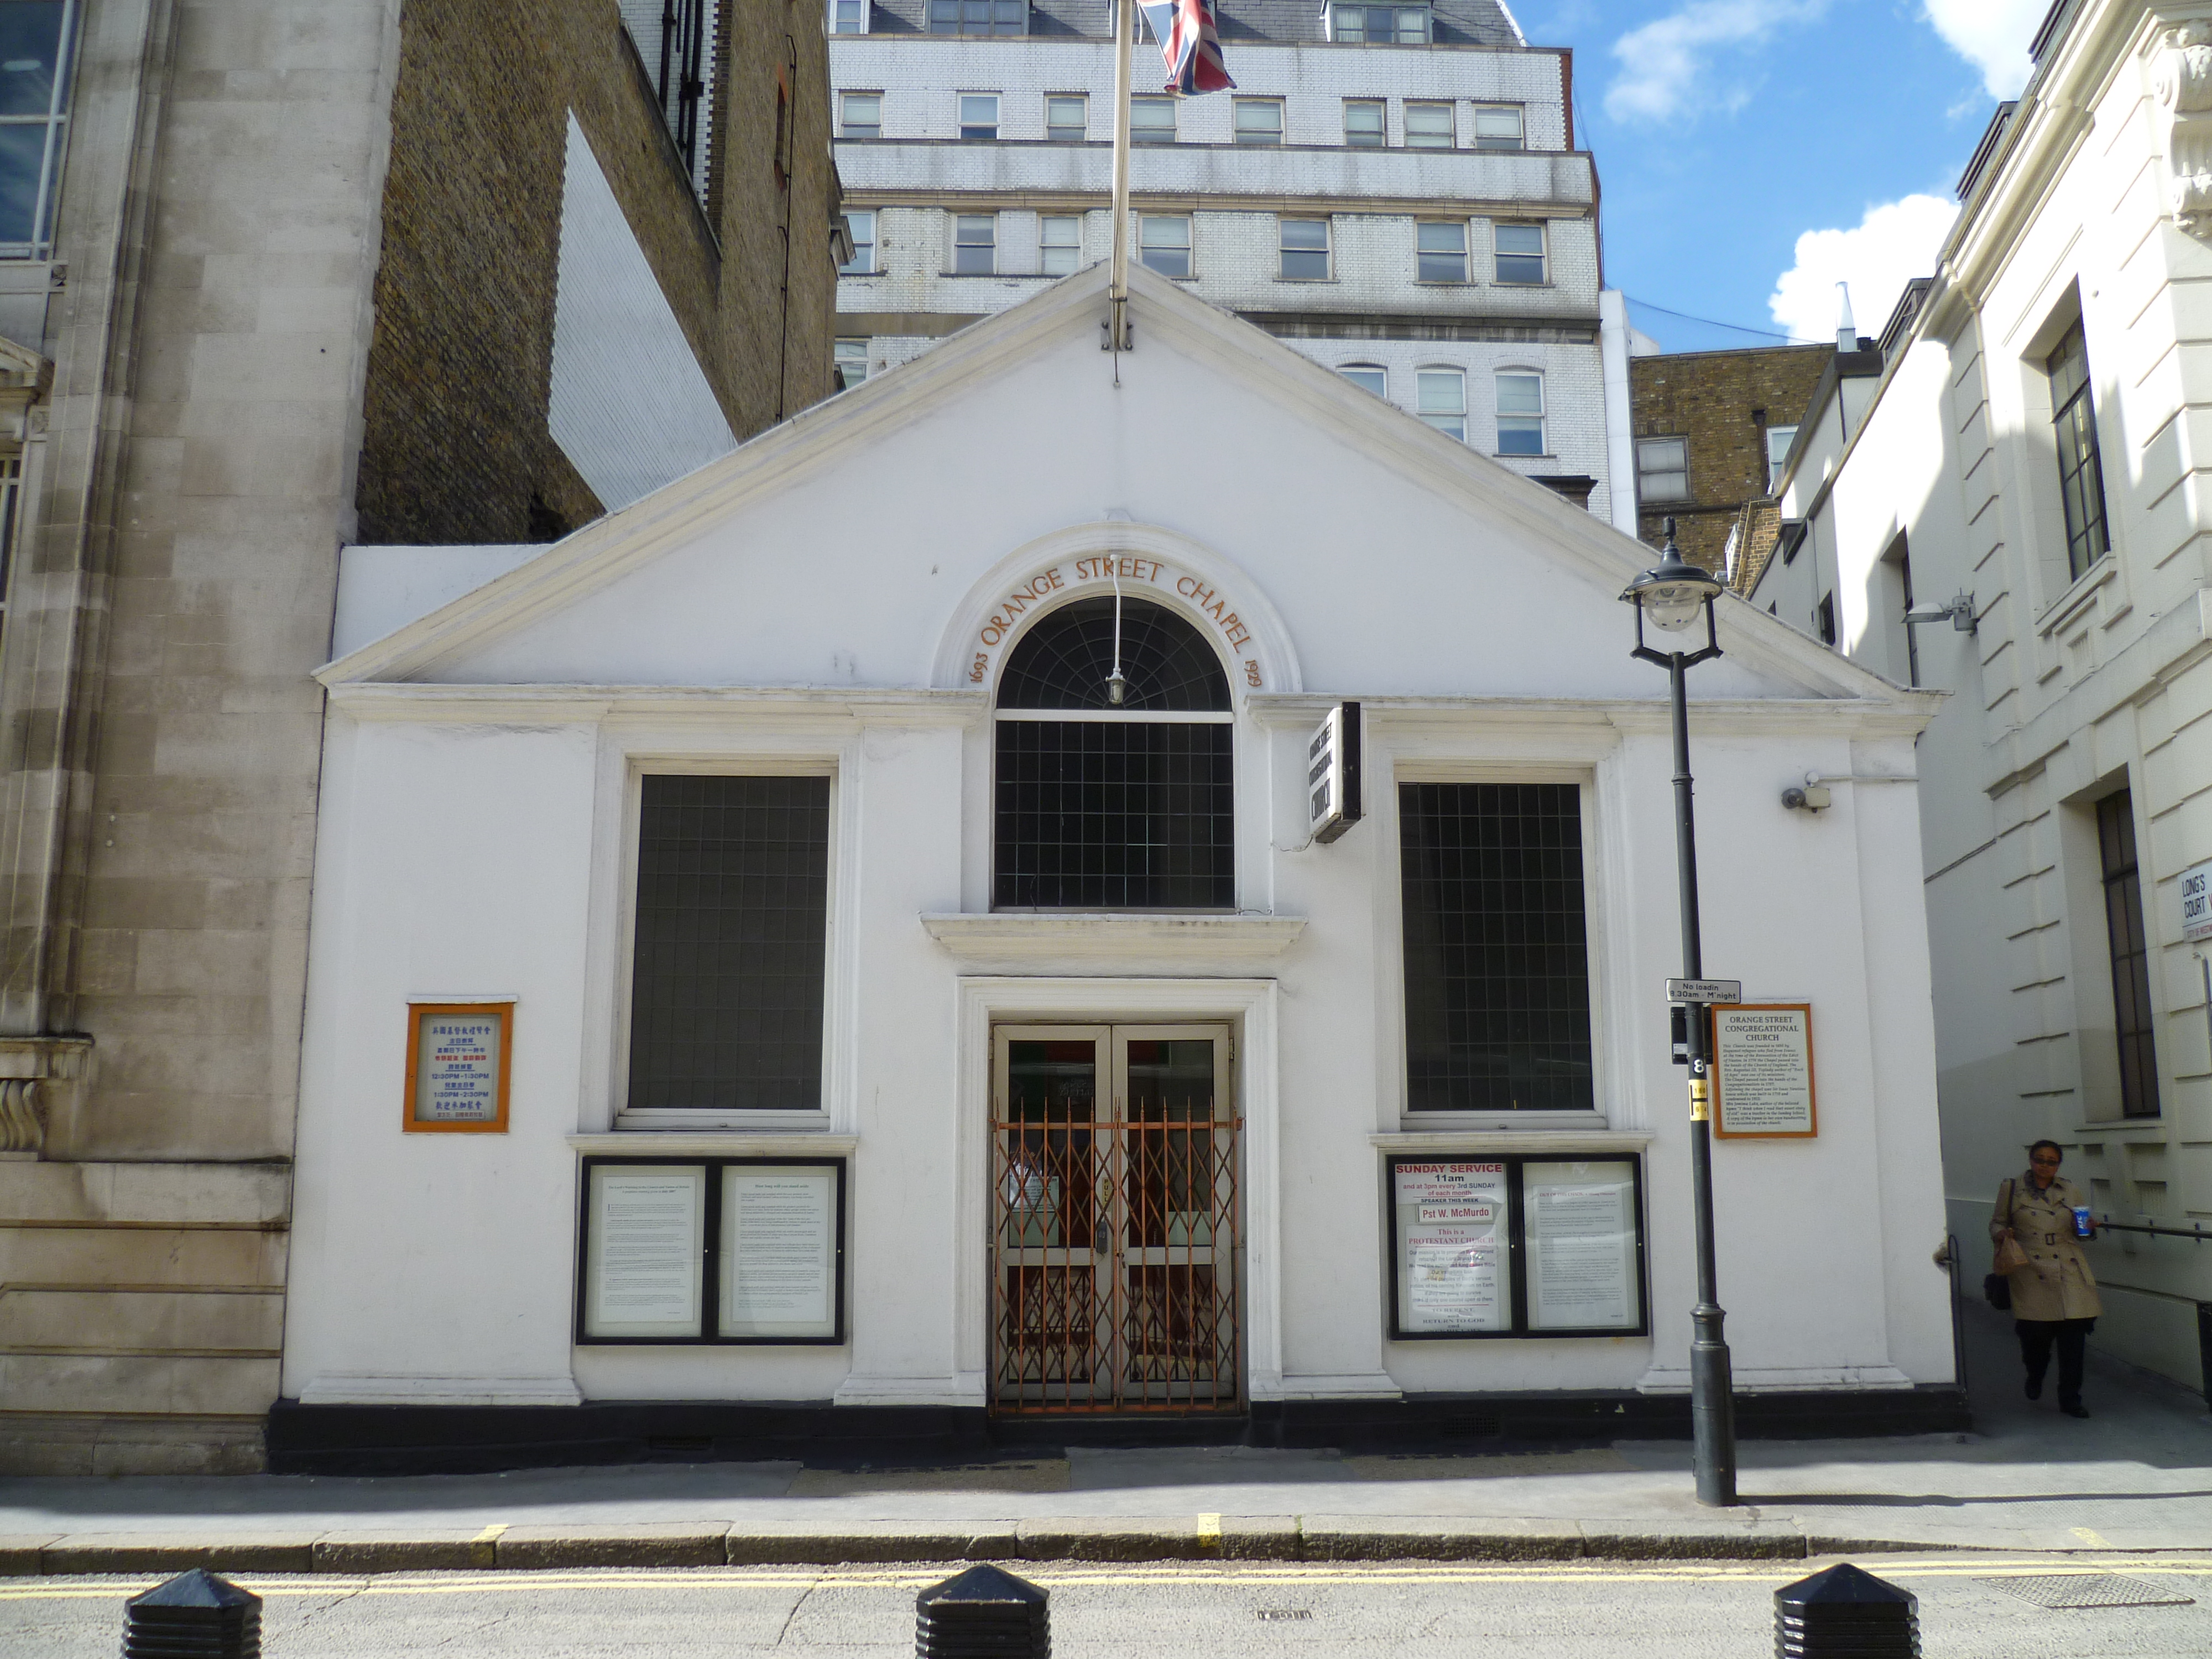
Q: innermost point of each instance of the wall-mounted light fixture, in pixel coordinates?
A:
(1957, 611)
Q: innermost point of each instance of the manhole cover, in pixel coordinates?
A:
(1279, 1615)
(2088, 1589)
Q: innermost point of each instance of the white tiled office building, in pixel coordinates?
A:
(1395, 191)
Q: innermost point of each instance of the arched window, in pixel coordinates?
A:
(1107, 804)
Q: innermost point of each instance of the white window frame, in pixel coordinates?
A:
(1145, 221)
(1073, 249)
(1443, 419)
(1152, 102)
(1237, 108)
(1081, 98)
(960, 223)
(961, 122)
(1382, 136)
(1521, 372)
(1451, 122)
(1284, 251)
(1366, 37)
(863, 265)
(839, 356)
(1645, 472)
(1499, 255)
(1352, 372)
(1777, 457)
(1421, 253)
(1492, 142)
(871, 130)
(837, 7)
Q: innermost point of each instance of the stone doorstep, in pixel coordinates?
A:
(1071, 1538)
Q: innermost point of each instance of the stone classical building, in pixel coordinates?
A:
(1395, 191)
(2027, 477)
(276, 278)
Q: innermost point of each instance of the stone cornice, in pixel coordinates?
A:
(1100, 942)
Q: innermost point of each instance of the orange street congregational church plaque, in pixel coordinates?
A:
(1763, 1070)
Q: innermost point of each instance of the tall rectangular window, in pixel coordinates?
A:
(1151, 120)
(2132, 1019)
(1304, 250)
(860, 115)
(1163, 243)
(1440, 398)
(1066, 118)
(863, 227)
(1259, 120)
(850, 359)
(974, 244)
(1662, 469)
(1498, 1014)
(1520, 252)
(733, 927)
(1440, 252)
(1060, 239)
(2081, 468)
(1521, 414)
(1428, 125)
(849, 17)
(1779, 441)
(979, 115)
(1364, 123)
(979, 16)
(1498, 126)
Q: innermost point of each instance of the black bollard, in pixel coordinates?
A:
(1845, 1614)
(196, 1616)
(982, 1614)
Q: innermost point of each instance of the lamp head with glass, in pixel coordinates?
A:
(1673, 591)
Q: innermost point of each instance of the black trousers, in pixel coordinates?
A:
(2070, 1337)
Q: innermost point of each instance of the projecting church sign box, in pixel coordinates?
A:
(1763, 1070)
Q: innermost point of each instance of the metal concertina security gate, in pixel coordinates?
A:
(1116, 1220)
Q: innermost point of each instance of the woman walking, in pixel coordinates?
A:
(2054, 1295)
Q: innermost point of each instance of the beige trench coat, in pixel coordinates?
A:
(2056, 1282)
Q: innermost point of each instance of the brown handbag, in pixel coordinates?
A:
(2009, 1258)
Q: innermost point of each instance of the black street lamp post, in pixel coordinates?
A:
(1670, 595)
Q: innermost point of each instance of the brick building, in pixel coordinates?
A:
(284, 276)
(1713, 431)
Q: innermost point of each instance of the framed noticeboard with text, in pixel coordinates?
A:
(712, 1250)
(458, 1058)
(1489, 1246)
(1763, 1072)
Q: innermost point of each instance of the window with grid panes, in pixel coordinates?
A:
(1304, 250)
(1066, 118)
(1428, 126)
(1520, 414)
(1404, 25)
(2081, 467)
(1364, 123)
(979, 115)
(863, 228)
(1440, 252)
(979, 16)
(1060, 239)
(1151, 120)
(1497, 947)
(1258, 120)
(1498, 126)
(1163, 243)
(731, 936)
(849, 17)
(1520, 250)
(974, 244)
(1440, 398)
(1107, 806)
(860, 115)
(2132, 1016)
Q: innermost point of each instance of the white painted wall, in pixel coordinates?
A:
(816, 598)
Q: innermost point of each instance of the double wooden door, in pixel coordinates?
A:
(1114, 1219)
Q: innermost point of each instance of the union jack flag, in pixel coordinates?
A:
(1185, 30)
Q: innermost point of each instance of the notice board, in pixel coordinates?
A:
(1763, 1072)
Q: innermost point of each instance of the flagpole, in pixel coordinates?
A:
(1118, 289)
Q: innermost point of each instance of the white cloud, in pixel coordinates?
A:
(1894, 243)
(1992, 35)
(1665, 65)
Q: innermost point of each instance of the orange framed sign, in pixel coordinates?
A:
(458, 1057)
(1763, 1072)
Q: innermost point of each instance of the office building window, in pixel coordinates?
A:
(1304, 250)
(974, 244)
(1363, 126)
(1778, 441)
(1163, 243)
(1106, 806)
(1498, 126)
(1440, 397)
(979, 16)
(1368, 378)
(851, 362)
(1151, 120)
(1066, 118)
(1404, 25)
(863, 227)
(1497, 947)
(1663, 470)
(1060, 239)
(731, 936)
(1428, 126)
(1440, 252)
(979, 115)
(848, 16)
(2132, 1017)
(860, 115)
(2081, 468)
(1520, 414)
(1259, 120)
(1520, 252)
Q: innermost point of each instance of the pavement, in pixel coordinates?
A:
(2136, 1477)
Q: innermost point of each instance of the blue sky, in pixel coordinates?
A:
(1727, 130)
